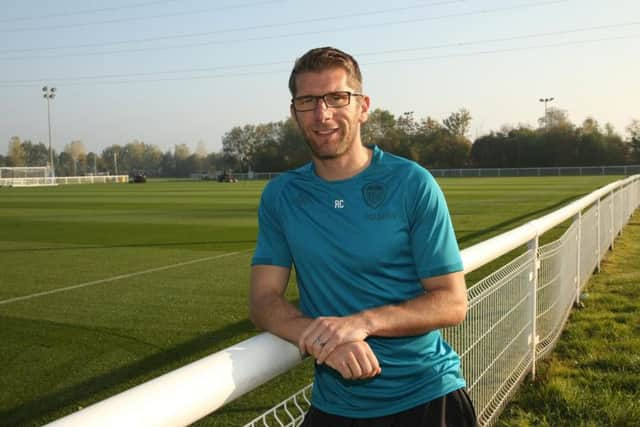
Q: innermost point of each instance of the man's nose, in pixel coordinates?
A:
(321, 111)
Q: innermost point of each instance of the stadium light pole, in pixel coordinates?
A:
(49, 94)
(546, 119)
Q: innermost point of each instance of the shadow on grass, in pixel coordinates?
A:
(131, 245)
(40, 410)
(512, 221)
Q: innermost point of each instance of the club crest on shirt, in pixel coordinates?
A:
(374, 194)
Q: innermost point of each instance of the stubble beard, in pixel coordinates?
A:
(343, 146)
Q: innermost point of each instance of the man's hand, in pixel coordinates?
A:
(354, 361)
(325, 334)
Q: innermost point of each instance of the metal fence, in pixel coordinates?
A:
(624, 170)
(516, 314)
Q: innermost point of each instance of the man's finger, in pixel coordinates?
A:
(309, 335)
(375, 365)
(354, 365)
(327, 348)
(345, 370)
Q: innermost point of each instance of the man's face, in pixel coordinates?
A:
(330, 132)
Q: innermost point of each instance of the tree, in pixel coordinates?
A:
(201, 149)
(634, 134)
(293, 147)
(239, 144)
(16, 155)
(111, 159)
(77, 152)
(182, 160)
(35, 154)
(555, 117)
(94, 163)
(65, 164)
(381, 129)
(590, 125)
(168, 164)
(458, 123)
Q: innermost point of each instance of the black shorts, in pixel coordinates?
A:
(452, 410)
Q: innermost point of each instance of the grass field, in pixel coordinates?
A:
(105, 286)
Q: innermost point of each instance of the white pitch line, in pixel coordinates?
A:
(122, 276)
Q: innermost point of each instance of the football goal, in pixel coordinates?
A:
(26, 176)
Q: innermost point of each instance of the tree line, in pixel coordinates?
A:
(279, 146)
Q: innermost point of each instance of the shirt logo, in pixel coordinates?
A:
(374, 194)
(338, 204)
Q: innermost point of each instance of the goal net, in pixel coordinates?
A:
(26, 176)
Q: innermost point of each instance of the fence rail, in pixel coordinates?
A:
(516, 315)
(624, 170)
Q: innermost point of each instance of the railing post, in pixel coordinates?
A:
(598, 232)
(533, 284)
(613, 221)
(578, 218)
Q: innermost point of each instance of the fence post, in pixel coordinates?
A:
(578, 218)
(532, 245)
(613, 221)
(598, 232)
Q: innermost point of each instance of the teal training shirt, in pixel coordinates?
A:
(361, 243)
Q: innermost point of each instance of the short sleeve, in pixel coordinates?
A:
(433, 241)
(271, 246)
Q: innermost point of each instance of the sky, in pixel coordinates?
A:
(172, 72)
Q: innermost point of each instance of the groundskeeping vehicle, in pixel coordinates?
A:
(226, 177)
(138, 177)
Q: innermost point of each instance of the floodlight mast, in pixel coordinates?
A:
(49, 94)
(546, 119)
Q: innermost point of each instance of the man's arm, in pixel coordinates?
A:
(443, 304)
(268, 307)
(270, 310)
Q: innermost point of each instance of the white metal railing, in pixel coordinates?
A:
(516, 315)
(44, 181)
(625, 170)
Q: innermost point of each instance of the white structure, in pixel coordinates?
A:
(515, 316)
(38, 176)
(26, 176)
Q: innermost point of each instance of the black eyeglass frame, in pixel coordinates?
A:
(324, 99)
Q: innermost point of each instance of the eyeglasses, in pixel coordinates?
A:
(331, 100)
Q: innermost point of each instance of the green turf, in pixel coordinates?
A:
(68, 349)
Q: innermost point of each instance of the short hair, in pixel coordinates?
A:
(325, 58)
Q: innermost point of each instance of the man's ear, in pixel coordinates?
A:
(365, 104)
(293, 115)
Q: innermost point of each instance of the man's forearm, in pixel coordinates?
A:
(277, 315)
(414, 317)
(443, 304)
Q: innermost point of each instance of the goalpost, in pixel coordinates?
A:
(26, 176)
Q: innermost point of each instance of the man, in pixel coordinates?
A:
(377, 265)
